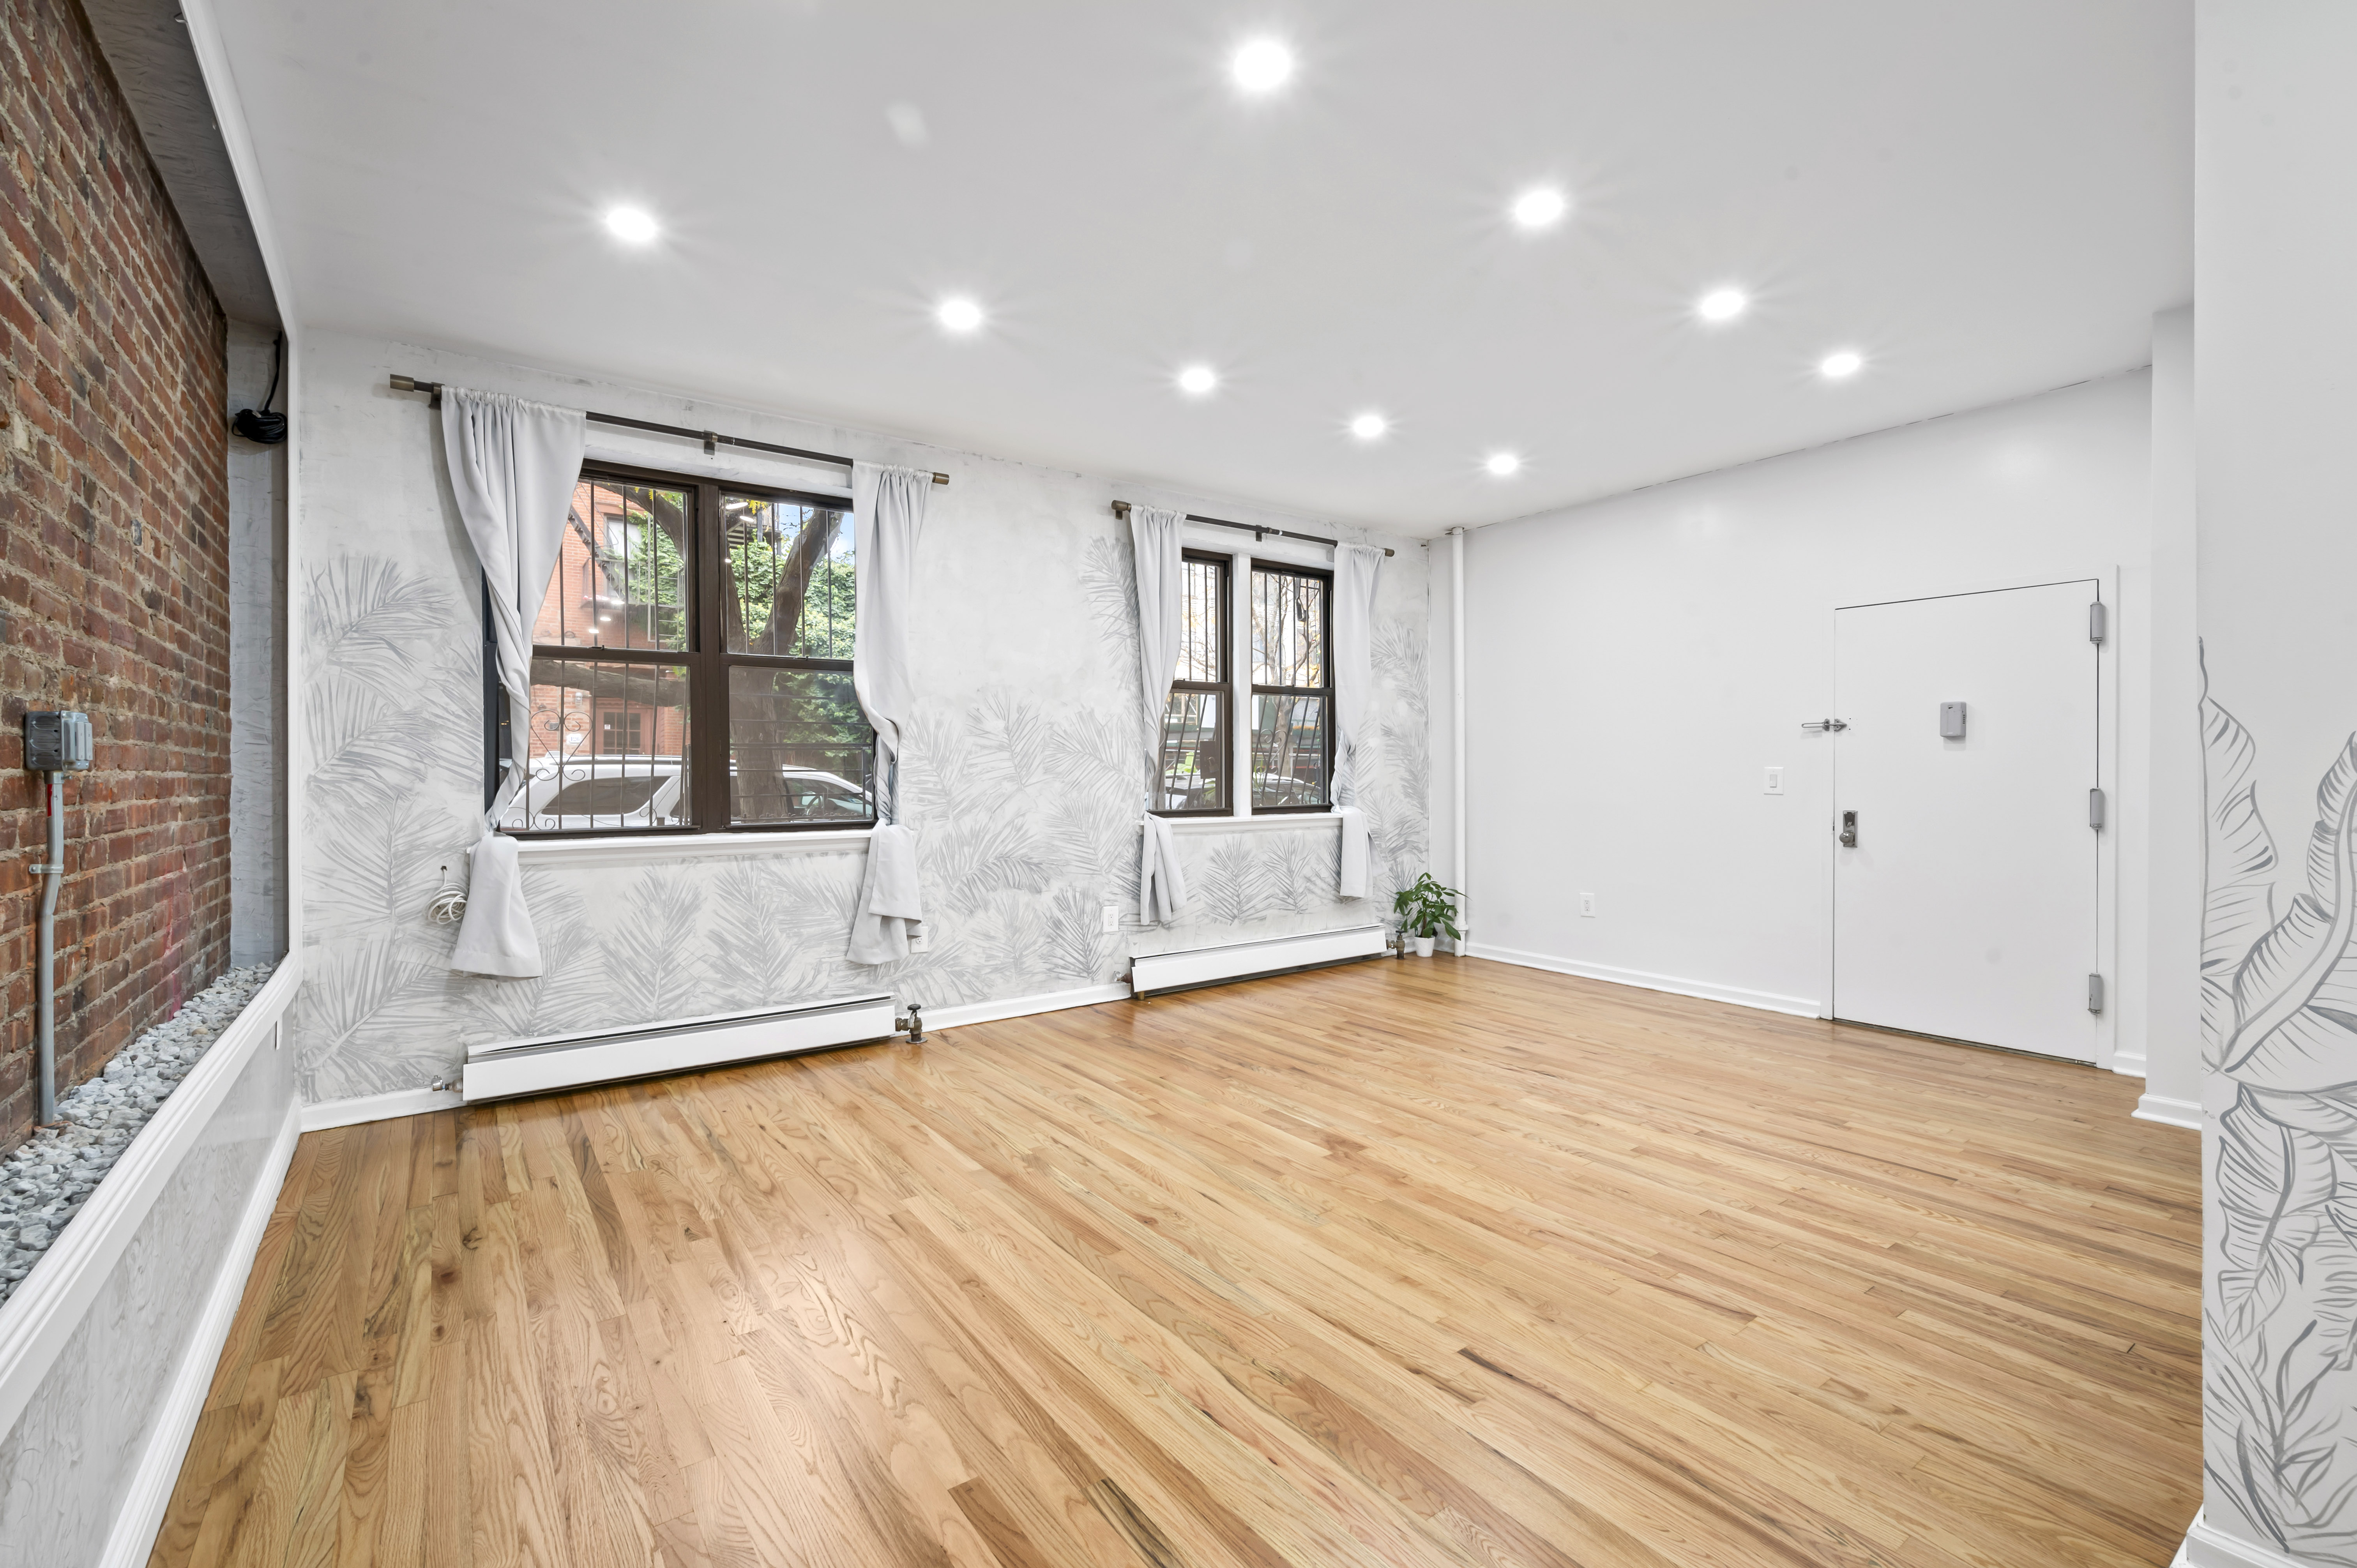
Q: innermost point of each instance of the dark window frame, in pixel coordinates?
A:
(1224, 688)
(1255, 691)
(707, 659)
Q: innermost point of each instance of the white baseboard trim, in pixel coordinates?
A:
(2207, 1548)
(327, 1113)
(1022, 1006)
(1766, 1001)
(2132, 1065)
(142, 1514)
(2173, 1113)
(50, 1300)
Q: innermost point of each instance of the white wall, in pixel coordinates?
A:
(1635, 663)
(2275, 248)
(1023, 775)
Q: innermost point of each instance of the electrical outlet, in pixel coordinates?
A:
(1588, 905)
(1775, 781)
(1112, 917)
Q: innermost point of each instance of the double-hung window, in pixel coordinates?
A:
(1195, 731)
(1288, 759)
(1293, 690)
(690, 666)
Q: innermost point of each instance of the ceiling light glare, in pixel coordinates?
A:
(631, 225)
(1502, 464)
(1370, 426)
(1263, 65)
(1722, 305)
(1841, 364)
(1196, 381)
(1540, 208)
(958, 314)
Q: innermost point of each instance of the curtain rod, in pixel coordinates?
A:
(1120, 509)
(713, 440)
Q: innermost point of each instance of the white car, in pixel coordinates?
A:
(600, 794)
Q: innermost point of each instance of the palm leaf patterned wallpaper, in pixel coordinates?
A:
(1023, 788)
(2279, 1034)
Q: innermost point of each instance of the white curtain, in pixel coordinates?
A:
(512, 467)
(888, 520)
(1356, 567)
(1154, 539)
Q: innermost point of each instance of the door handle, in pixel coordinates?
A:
(1849, 829)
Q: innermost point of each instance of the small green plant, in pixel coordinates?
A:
(1425, 909)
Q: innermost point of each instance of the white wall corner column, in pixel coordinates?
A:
(2168, 997)
(2274, 329)
(1457, 865)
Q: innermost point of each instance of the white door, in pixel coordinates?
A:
(1967, 908)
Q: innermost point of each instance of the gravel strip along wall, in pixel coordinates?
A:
(49, 1175)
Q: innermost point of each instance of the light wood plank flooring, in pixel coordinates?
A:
(1434, 1261)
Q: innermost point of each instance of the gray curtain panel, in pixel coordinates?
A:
(512, 465)
(1154, 537)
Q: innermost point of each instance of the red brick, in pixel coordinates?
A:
(113, 354)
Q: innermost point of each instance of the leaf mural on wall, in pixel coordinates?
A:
(2295, 995)
(563, 996)
(1109, 578)
(2280, 1022)
(654, 955)
(368, 618)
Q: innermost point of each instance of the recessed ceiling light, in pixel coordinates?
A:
(1722, 305)
(1540, 207)
(1197, 380)
(958, 314)
(1261, 65)
(1503, 465)
(1370, 426)
(633, 225)
(1841, 364)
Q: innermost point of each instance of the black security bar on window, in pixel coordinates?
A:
(1258, 531)
(713, 440)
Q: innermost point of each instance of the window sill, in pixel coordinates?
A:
(1267, 820)
(631, 849)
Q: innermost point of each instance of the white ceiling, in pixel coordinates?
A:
(1988, 198)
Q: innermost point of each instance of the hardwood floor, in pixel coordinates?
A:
(1437, 1261)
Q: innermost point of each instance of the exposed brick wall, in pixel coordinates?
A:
(115, 581)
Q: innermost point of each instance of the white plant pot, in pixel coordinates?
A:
(1424, 946)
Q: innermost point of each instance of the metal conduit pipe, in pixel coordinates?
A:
(46, 993)
(55, 745)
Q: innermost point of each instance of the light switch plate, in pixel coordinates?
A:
(1775, 781)
(1112, 917)
(1588, 905)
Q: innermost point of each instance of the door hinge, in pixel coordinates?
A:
(2096, 810)
(2094, 994)
(2098, 621)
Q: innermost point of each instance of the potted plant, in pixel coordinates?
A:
(1427, 910)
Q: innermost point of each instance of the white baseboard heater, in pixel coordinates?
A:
(1152, 972)
(507, 1068)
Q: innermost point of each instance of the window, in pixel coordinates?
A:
(625, 730)
(690, 666)
(1195, 744)
(1293, 690)
(1290, 697)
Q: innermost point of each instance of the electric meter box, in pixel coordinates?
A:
(56, 742)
